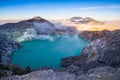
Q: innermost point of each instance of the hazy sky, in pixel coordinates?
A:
(59, 9)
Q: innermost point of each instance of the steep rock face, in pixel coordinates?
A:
(106, 50)
(7, 46)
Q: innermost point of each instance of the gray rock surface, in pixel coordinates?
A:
(92, 35)
(105, 50)
(7, 46)
(43, 75)
(100, 52)
(23, 25)
(103, 73)
(7, 69)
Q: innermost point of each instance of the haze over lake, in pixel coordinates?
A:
(48, 52)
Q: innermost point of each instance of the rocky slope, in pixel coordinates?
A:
(7, 46)
(98, 73)
(92, 35)
(7, 69)
(43, 75)
(100, 53)
(23, 25)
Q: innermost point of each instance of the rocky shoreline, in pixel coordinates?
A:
(100, 60)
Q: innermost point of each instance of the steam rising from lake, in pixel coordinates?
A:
(44, 31)
(30, 34)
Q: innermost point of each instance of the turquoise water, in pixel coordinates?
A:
(47, 52)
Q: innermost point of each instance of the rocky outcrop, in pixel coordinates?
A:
(105, 50)
(7, 69)
(92, 35)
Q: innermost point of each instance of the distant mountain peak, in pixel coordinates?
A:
(89, 19)
(37, 18)
(76, 18)
(26, 24)
(83, 20)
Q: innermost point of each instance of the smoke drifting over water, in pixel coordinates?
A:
(48, 50)
(44, 31)
(31, 34)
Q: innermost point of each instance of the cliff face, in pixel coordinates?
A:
(105, 50)
(7, 46)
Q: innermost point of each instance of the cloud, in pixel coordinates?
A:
(101, 7)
